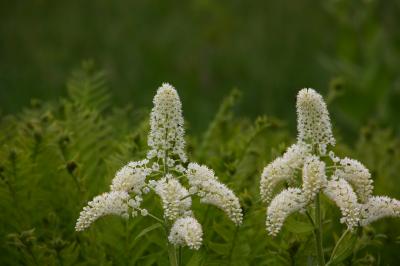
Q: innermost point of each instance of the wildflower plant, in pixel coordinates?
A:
(310, 168)
(165, 171)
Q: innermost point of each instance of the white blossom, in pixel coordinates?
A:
(357, 175)
(282, 169)
(348, 185)
(205, 183)
(175, 198)
(341, 192)
(186, 231)
(378, 207)
(314, 177)
(114, 202)
(285, 203)
(160, 172)
(131, 178)
(313, 122)
(166, 138)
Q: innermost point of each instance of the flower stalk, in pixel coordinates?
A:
(318, 231)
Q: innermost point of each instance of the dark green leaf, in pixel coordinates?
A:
(147, 230)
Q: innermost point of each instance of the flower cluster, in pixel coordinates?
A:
(205, 184)
(282, 169)
(186, 231)
(160, 172)
(346, 181)
(313, 122)
(314, 177)
(166, 138)
(340, 191)
(115, 202)
(174, 196)
(131, 178)
(378, 207)
(358, 175)
(288, 201)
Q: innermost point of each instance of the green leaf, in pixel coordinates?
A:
(223, 231)
(219, 248)
(196, 259)
(298, 227)
(147, 230)
(344, 248)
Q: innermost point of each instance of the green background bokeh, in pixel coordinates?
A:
(267, 49)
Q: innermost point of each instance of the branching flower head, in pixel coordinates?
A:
(346, 182)
(162, 172)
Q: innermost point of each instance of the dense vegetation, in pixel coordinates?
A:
(57, 155)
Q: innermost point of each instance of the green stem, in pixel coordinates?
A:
(173, 259)
(318, 231)
(338, 243)
(180, 255)
(232, 246)
(311, 220)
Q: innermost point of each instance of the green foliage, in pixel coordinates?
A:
(55, 156)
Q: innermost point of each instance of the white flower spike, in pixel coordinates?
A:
(166, 138)
(340, 191)
(285, 203)
(203, 181)
(379, 207)
(357, 175)
(282, 169)
(313, 122)
(131, 178)
(314, 177)
(115, 203)
(175, 198)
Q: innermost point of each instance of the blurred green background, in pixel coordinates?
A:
(267, 49)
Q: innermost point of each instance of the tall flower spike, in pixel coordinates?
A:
(203, 182)
(175, 198)
(313, 122)
(186, 232)
(379, 207)
(357, 175)
(340, 191)
(314, 177)
(282, 169)
(131, 178)
(285, 203)
(166, 138)
(115, 202)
